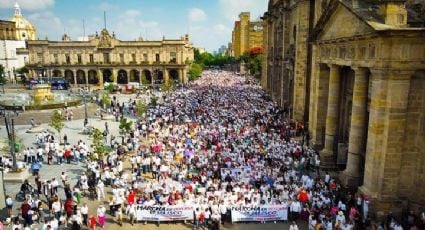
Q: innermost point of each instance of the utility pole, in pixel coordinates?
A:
(86, 120)
(10, 128)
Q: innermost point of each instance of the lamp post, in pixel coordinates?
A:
(86, 120)
(10, 128)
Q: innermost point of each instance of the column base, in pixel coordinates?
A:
(327, 160)
(350, 180)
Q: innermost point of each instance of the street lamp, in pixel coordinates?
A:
(10, 128)
(86, 120)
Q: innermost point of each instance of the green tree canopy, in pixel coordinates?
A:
(141, 108)
(125, 126)
(99, 148)
(2, 75)
(56, 122)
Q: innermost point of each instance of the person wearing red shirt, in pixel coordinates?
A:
(92, 223)
(303, 196)
(131, 198)
(25, 208)
(69, 207)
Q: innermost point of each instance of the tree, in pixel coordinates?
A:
(195, 71)
(153, 101)
(56, 122)
(105, 99)
(141, 108)
(98, 144)
(167, 86)
(125, 127)
(2, 75)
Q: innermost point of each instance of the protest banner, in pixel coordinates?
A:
(164, 213)
(259, 213)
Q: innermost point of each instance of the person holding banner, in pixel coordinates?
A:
(131, 213)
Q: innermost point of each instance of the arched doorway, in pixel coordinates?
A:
(107, 75)
(93, 77)
(81, 77)
(146, 77)
(134, 76)
(57, 73)
(158, 76)
(69, 76)
(122, 77)
(174, 75)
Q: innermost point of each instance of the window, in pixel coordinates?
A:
(80, 60)
(371, 51)
(91, 58)
(122, 58)
(157, 59)
(145, 57)
(106, 58)
(173, 57)
(68, 59)
(133, 57)
(55, 59)
(40, 57)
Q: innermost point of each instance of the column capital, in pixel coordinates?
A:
(334, 66)
(392, 74)
(359, 69)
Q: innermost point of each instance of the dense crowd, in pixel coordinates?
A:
(216, 143)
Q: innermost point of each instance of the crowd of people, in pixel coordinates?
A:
(215, 143)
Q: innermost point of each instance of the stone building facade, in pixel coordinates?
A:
(7, 30)
(104, 58)
(246, 35)
(366, 94)
(287, 26)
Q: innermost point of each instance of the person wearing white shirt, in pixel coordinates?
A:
(293, 226)
(100, 188)
(223, 211)
(131, 213)
(295, 209)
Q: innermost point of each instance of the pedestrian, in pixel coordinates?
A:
(101, 215)
(131, 213)
(293, 226)
(9, 205)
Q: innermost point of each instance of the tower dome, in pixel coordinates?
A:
(24, 29)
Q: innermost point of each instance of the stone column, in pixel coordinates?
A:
(115, 76)
(166, 76)
(350, 176)
(386, 134)
(181, 76)
(74, 73)
(86, 74)
(326, 155)
(184, 76)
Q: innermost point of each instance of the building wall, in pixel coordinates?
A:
(7, 30)
(10, 59)
(126, 55)
(288, 24)
(385, 154)
(246, 35)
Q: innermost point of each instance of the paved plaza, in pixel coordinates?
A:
(73, 129)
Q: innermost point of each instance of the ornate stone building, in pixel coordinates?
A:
(287, 26)
(7, 30)
(104, 58)
(246, 35)
(366, 81)
(24, 30)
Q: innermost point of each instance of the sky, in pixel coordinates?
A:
(208, 22)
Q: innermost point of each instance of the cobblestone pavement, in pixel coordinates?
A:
(73, 130)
